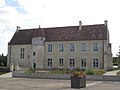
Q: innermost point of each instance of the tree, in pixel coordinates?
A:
(118, 55)
(115, 59)
(3, 60)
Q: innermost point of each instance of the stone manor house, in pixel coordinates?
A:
(69, 47)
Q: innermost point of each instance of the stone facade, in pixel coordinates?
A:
(24, 55)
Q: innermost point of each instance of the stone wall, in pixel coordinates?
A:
(63, 76)
(89, 54)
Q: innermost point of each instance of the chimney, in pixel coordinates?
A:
(80, 25)
(18, 28)
(39, 27)
(105, 22)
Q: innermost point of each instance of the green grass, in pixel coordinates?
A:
(67, 71)
(2, 73)
(95, 72)
(30, 71)
(89, 72)
(118, 73)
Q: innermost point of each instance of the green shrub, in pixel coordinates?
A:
(118, 73)
(30, 71)
(99, 71)
(90, 72)
(3, 60)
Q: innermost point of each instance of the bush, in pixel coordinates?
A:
(90, 72)
(4, 69)
(118, 73)
(3, 60)
(99, 72)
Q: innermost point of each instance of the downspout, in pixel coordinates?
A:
(103, 53)
(9, 56)
(44, 57)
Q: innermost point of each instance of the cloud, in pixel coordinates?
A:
(2, 3)
(50, 13)
(10, 17)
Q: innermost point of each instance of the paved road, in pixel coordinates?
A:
(111, 73)
(51, 84)
(7, 75)
(9, 83)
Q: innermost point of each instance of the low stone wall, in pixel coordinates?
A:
(103, 78)
(63, 76)
(40, 75)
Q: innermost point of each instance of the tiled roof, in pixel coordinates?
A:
(69, 33)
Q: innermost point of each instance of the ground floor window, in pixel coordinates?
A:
(61, 62)
(72, 63)
(95, 62)
(49, 62)
(83, 63)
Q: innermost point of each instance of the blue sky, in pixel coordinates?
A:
(53, 13)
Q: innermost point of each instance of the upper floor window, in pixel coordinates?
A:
(71, 47)
(95, 62)
(61, 48)
(83, 47)
(49, 47)
(61, 62)
(22, 53)
(95, 46)
(72, 63)
(83, 63)
(49, 62)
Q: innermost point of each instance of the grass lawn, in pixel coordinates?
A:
(118, 73)
(2, 73)
(63, 71)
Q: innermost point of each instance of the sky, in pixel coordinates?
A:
(56, 13)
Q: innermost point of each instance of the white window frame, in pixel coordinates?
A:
(61, 62)
(72, 48)
(95, 46)
(95, 63)
(49, 47)
(61, 48)
(83, 63)
(72, 63)
(49, 63)
(22, 53)
(83, 47)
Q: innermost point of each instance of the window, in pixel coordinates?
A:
(60, 62)
(61, 48)
(95, 62)
(49, 62)
(83, 63)
(41, 39)
(22, 53)
(71, 47)
(49, 47)
(83, 47)
(95, 46)
(72, 63)
(33, 53)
